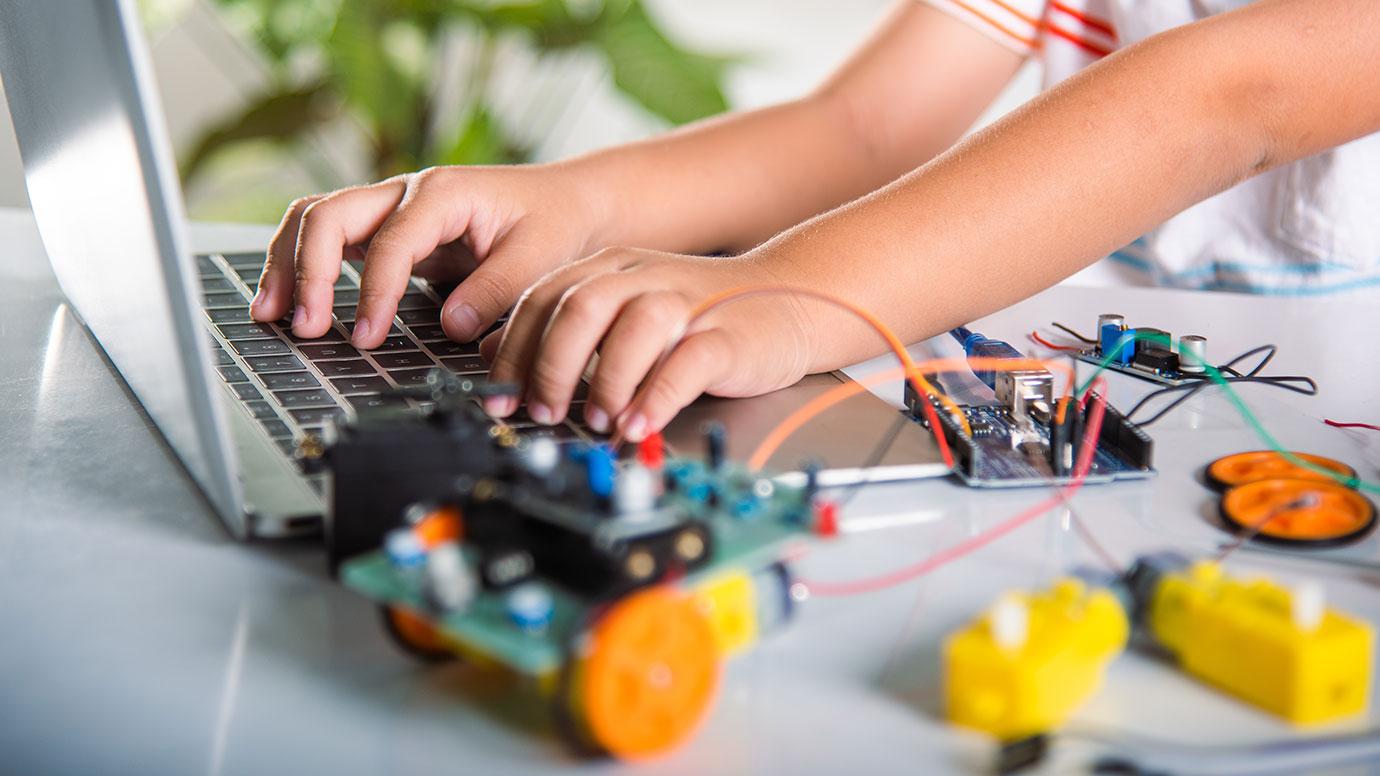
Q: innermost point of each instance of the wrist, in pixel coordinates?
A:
(597, 199)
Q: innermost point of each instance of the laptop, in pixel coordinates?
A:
(230, 395)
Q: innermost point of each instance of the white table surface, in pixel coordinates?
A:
(138, 638)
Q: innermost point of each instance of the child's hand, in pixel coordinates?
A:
(629, 305)
(509, 225)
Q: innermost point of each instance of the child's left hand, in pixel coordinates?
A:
(628, 305)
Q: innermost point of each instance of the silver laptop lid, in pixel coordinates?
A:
(101, 182)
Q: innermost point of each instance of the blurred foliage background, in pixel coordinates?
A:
(417, 78)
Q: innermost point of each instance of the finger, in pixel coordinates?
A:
(423, 221)
(628, 352)
(274, 296)
(695, 364)
(522, 334)
(488, 347)
(577, 325)
(329, 225)
(515, 263)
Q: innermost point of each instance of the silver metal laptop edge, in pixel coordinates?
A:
(103, 188)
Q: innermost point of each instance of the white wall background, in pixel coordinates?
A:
(204, 73)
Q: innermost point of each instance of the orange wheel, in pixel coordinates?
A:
(1241, 468)
(1299, 512)
(648, 675)
(415, 634)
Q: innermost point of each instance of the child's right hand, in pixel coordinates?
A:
(500, 228)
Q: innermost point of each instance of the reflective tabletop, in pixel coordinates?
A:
(139, 638)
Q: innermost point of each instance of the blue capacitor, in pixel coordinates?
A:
(600, 466)
(530, 606)
(1112, 335)
(745, 507)
(404, 549)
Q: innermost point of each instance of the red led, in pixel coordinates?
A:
(826, 518)
(651, 452)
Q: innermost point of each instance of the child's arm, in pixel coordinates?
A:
(1072, 176)
(722, 184)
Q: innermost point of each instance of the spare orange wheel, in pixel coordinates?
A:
(1242, 468)
(415, 634)
(1299, 512)
(647, 674)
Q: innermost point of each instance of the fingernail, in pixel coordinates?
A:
(635, 428)
(464, 319)
(597, 419)
(299, 316)
(540, 413)
(500, 406)
(362, 329)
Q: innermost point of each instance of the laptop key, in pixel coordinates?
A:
(348, 296)
(261, 409)
(428, 333)
(311, 397)
(448, 348)
(250, 259)
(233, 374)
(345, 368)
(261, 347)
(403, 360)
(350, 327)
(248, 273)
(315, 417)
(422, 317)
(466, 365)
(344, 313)
(276, 428)
(206, 265)
(223, 358)
(288, 446)
(419, 301)
(409, 376)
(329, 351)
(239, 331)
(359, 385)
(360, 403)
(274, 363)
(331, 335)
(246, 391)
(230, 315)
(394, 344)
(222, 300)
(277, 381)
(217, 284)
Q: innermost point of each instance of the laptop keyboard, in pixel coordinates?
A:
(293, 386)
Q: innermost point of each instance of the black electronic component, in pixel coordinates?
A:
(526, 509)
(1158, 360)
(390, 458)
(714, 444)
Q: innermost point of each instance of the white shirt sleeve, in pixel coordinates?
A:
(1012, 23)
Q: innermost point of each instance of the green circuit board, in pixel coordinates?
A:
(752, 519)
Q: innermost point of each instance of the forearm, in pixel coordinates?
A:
(731, 182)
(1087, 168)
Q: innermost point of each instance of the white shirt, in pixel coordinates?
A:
(1311, 227)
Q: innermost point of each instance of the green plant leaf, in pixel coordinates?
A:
(278, 115)
(372, 82)
(482, 141)
(674, 83)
